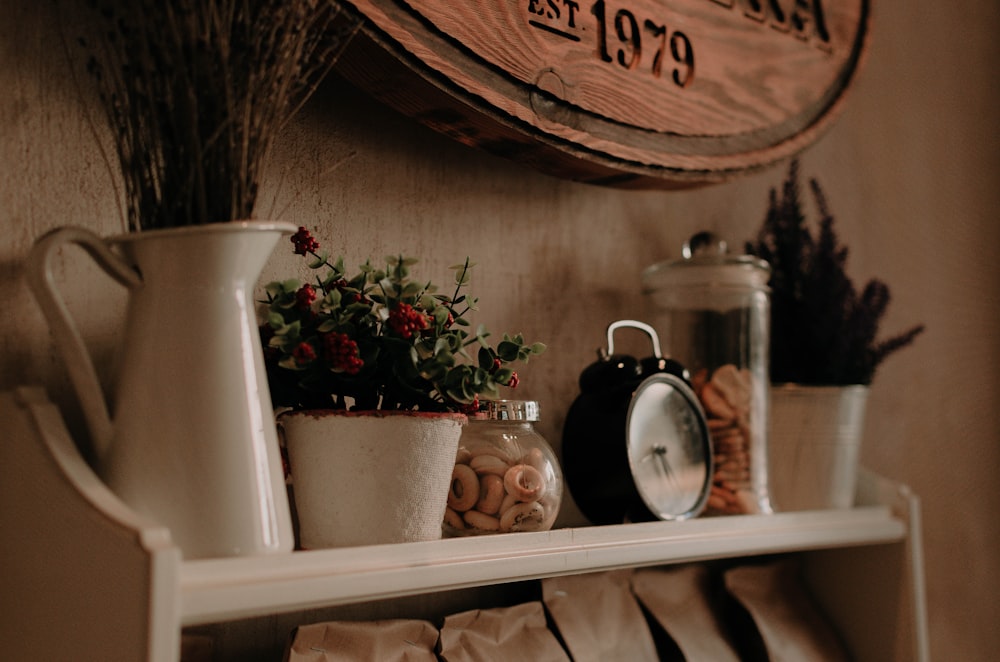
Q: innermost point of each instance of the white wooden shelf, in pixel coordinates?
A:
(224, 589)
(113, 583)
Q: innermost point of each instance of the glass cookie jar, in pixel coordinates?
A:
(506, 477)
(714, 307)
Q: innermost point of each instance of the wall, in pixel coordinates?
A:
(910, 170)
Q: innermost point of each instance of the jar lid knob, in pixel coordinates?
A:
(704, 243)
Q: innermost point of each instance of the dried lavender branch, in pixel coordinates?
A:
(196, 92)
(822, 331)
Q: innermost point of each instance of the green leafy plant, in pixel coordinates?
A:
(380, 340)
(823, 332)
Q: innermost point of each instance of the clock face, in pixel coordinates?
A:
(669, 448)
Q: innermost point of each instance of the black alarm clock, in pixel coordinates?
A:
(635, 444)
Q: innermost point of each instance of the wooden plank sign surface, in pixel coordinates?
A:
(636, 93)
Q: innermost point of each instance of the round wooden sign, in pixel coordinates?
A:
(629, 93)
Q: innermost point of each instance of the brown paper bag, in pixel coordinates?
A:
(680, 599)
(398, 640)
(508, 634)
(598, 617)
(790, 626)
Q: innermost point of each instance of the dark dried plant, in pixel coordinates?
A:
(822, 331)
(196, 92)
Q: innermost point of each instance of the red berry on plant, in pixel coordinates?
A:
(342, 353)
(304, 353)
(514, 380)
(305, 296)
(304, 242)
(405, 320)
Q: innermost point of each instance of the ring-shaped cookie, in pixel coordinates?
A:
(536, 459)
(524, 482)
(482, 521)
(464, 492)
(495, 451)
(453, 519)
(488, 464)
(491, 494)
(509, 500)
(523, 517)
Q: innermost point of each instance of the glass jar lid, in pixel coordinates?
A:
(507, 410)
(706, 261)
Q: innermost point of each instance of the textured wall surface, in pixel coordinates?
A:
(911, 172)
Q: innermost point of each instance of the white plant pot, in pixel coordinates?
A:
(366, 478)
(814, 445)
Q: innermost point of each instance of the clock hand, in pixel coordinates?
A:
(660, 452)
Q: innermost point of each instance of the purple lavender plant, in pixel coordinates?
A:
(822, 331)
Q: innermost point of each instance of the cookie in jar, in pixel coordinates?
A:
(727, 396)
(506, 477)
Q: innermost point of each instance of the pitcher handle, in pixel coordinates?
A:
(68, 341)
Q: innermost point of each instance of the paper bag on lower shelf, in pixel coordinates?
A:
(397, 640)
(503, 634)
(681, 600)
(775, 618)
(598, 617)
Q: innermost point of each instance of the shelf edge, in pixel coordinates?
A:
(227, 589)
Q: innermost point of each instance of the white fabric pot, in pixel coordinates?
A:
(366, 478)
(814, 445)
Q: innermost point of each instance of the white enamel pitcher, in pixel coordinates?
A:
(190, 439)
